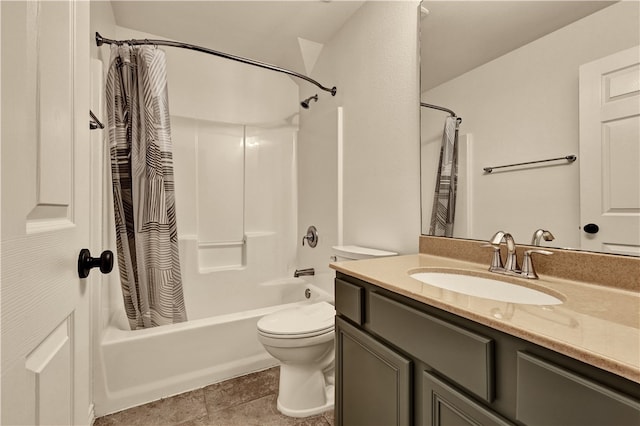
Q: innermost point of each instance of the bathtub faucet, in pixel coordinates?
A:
(302, 272)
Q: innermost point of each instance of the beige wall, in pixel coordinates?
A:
(520, 107)
(102, 21)
(374, 63)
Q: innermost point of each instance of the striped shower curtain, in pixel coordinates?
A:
(444, 199)
(143, 186)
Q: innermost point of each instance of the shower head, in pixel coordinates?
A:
(305, 103)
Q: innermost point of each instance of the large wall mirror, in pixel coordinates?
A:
(532, 81)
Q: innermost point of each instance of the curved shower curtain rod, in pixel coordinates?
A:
(101, 40)
(453, 114)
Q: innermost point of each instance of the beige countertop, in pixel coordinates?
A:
(595, 324)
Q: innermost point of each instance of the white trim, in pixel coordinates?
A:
(340, 175)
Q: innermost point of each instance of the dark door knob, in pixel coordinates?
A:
(591, 228)
(86, 262)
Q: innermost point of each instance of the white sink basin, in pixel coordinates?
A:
(486, 288)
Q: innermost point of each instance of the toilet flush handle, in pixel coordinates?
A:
(311, 237)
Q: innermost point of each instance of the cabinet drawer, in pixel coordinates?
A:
(464, 357)
(551, 395)
(349, 300)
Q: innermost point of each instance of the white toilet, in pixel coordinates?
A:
(302, 339)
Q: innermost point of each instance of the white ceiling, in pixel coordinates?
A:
(265, 31)
(457, 36)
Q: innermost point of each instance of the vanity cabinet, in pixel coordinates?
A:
(400, 362)
(446, 406)
(552, 395)
(376, 382)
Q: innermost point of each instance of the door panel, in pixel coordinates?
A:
(445, 406)
(55, 107)
(374, 382)
(45, 212)
(51, 370)
(610, 152)
(584, 401)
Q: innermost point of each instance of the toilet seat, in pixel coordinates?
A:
(299, 322)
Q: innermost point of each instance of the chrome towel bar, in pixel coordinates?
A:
(570, 158)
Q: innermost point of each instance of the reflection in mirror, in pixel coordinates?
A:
(443, 211)
(524, 75)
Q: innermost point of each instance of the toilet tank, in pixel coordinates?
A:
(356, 252)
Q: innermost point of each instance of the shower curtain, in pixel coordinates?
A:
(444, 198)
(143, 186)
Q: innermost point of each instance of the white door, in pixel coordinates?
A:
(610, 153)
(45, 212)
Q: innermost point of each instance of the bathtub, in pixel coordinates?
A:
(141, 366)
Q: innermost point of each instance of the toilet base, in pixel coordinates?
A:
(310, 411)
(304, 393)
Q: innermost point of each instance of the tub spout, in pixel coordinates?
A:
(302, 272)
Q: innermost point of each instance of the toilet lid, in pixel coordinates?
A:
(299, 320)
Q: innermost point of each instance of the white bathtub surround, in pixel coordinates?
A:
(136, 367)
(234, 181)
(218, 119)
(261, 282)
(235, 175)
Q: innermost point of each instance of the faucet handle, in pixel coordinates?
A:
(528, 271)
(311, 237)
(496, 260)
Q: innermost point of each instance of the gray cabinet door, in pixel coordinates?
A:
(445, 406)
(552, 395)
(373, 383)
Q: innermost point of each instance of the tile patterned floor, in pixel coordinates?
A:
(244, 401)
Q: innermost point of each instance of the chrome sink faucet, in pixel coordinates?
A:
(511, 262)
(541, 234)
